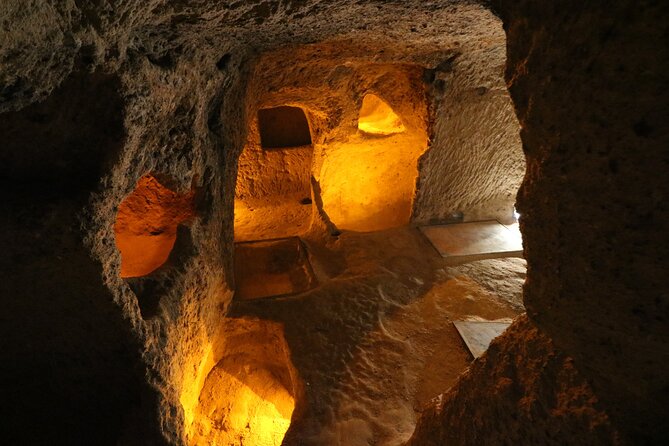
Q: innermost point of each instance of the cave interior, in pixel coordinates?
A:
(334, 223)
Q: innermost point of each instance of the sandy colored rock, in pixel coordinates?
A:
(96, 95)
(146, 226)
(521, 391)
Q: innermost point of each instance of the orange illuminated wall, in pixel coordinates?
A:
(146, 225)
(368, 180)
(377, 118)
(273, 190)
(247, 396)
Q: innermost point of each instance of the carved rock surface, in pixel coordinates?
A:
(96, 95)
(521, 391)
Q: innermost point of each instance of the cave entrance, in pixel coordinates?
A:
(319, 160)
(152, 234)
(273, 205)
(273, 191)
(368, 178)
(248, 397)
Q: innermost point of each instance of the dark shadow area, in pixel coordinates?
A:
(70, 370)
(283, 127)
(317, 335)
(249, 396)
(65, 141)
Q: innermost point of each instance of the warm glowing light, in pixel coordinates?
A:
(368, 184)
(278, 217)
(146, 226)
(377, 117)
(273, 182)
(247, 397)
(255, 412)
(193, 383)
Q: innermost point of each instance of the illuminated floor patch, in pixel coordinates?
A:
(479, 334)
(272, 268)
(248, 397)
(475, 240)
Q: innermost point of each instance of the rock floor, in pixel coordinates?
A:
(374, 342)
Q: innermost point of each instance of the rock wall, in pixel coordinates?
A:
(170, 115)
(475, 163)
(150, 87)
(521, 391)
(589, 89)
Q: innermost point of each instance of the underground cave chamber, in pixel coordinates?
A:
(357, 174)
(334, 177)
(237, 223)
(320, 164)
(304, 176)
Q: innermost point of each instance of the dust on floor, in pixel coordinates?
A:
(374, 342)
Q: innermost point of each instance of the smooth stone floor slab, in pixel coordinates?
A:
(478, 334)
(272, 268)
(475, 240)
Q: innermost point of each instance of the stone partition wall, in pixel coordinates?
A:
(589, 85)
(475, 162)
(95, 96)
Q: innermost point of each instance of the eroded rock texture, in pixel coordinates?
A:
(475, 163)
(521, 391)
(95, 96)
(590, 92)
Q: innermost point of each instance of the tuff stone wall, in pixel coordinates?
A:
(521, 391)
(589, 91)
(588, 87)
(475, 162)
(590, 95)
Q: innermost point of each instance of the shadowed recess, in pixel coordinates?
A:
(146, 225)
(283, 127)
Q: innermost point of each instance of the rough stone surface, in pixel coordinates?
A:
(521, 391)
(502, 277)
(475, 162)
(590, 93)
(98, 94)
